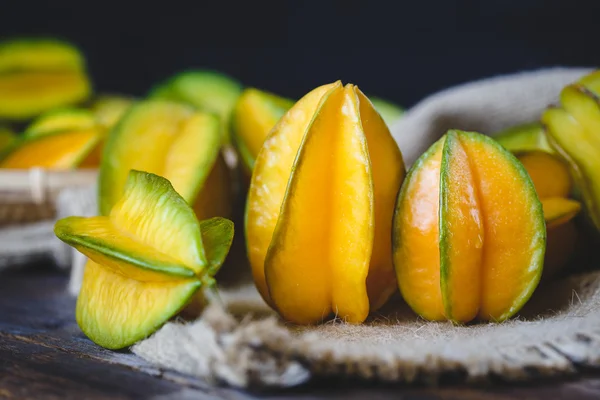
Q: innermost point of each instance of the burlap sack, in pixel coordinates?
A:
(242, 342)
(245, 344)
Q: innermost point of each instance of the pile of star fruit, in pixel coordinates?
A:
(333, 222)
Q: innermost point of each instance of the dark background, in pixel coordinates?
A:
(400, 50)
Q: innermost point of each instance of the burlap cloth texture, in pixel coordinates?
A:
(245, 344)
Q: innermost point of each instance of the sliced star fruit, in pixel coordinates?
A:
(148, 258)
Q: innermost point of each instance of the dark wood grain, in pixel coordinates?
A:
(44, 355)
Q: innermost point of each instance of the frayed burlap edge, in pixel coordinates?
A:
(393, 347)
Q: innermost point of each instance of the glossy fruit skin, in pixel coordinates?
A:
(553, 184)
(58, 150)
(102, 117)
(37, 75)
(455, 255)
(549, 173)
(148, 259)
(255, 113)
(573, 130)
(172, 140)
(109, 109)
(283, 142)
(68, 126)
(526, 137)
(319, 243)
(60, 120)
(100, 319)
(69, 121)
(206, 90)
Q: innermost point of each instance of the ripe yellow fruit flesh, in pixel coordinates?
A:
(147, 260)
(455, 251)
(320, 206)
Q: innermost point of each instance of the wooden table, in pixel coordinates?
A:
(44, 355)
